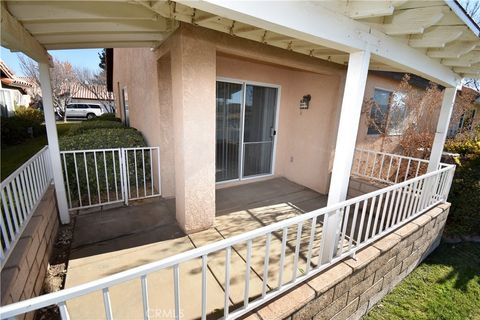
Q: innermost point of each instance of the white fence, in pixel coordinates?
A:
(99, 177)
(386, 167)
(20, 194)
(362, 220)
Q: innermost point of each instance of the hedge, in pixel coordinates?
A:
(16, 130)
(30, 114)
(106, 117)
(464, 216)
(103, 138)
(26, 123)
(95, 124)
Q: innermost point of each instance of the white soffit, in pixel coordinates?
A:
(434, 41)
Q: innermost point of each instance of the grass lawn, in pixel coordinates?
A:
(445, 286)
(14, 156)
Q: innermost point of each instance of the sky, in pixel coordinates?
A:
(78, 58)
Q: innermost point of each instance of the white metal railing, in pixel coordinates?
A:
(386, 167)
(363, 220)
(99, 177)
(21, 192)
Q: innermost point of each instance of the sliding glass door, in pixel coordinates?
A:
(246, 119)
(259, 130)
(229, 105)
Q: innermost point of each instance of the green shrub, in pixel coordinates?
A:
(466, 144)
(29, 114)
(102, 139)
(95, 124)
(106, 117)
(464, 216)
(16, 130)
(105, 166)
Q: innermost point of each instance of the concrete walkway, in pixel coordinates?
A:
(118, 239)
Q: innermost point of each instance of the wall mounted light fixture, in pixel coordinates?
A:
(305, 101)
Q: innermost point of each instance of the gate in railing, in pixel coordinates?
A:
(100, 177)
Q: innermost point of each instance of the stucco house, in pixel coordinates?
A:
(252, 112)
(14, 91)
(96, 94)
(255, 91)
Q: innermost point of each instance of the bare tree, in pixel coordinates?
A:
(63, 80)
(473, 83)
(472, 7)
(418, 115)
(96, 83)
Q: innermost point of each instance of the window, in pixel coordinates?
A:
(126, 118)
(94, 106)
(388, 113)
(379, 112)
(466, 120)
(396, 114)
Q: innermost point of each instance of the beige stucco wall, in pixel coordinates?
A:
(304, 136)
(172, 101)
(136, 70)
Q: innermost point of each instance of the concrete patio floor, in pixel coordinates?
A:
(115, 240)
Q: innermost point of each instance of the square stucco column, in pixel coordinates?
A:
(193, 98)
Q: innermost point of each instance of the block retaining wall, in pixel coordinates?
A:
(350, 288)
(24, 272)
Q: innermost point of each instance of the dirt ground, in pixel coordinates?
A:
(57, 269)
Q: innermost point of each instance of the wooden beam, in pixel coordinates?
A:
(103, 44)
(412, 21)
(100, 25)
(344, 148)
(16, 38)
(31, 11)
(449, 95)
(318, 25)
(437, 37)
(472, 75)
(368, 9)
(474, 68)
(454, 50)
(52, 138)
(464, 61)
(102, 37)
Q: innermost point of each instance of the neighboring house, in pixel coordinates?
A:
(96, 94)
(13, 91)
(469, 120)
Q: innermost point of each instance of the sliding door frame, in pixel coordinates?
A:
(244, 84)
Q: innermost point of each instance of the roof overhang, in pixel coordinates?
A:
(426, 38)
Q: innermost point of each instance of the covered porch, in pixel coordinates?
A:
(241, 251)
(112, 241)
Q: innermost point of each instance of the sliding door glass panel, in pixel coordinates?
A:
(228, 126)
(259, 129)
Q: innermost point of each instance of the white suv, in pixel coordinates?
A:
(84, 110)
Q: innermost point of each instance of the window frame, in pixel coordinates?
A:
(388, 131)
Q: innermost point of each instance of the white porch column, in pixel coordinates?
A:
(53, 146)
(352, 102)
(448, 101)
